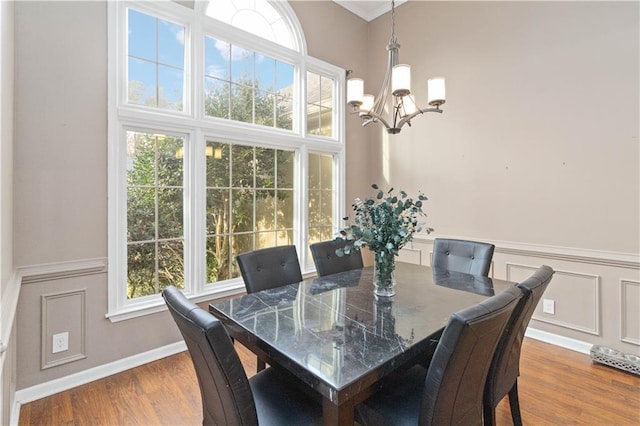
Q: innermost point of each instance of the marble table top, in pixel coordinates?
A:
(333, 334)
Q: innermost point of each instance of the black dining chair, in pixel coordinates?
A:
(328, 262)
(505, 367)
(450, 390)
(470, 257)
(269, 268)
(228, 397)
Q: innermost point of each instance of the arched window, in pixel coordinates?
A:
(224, 137)
(256, 17)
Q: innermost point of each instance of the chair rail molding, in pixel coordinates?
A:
(61, 270)
(596, 257)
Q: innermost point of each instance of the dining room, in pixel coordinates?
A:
(533, 148)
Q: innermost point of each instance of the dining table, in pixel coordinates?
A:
(338, 339)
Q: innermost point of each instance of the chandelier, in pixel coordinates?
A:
(397, 83)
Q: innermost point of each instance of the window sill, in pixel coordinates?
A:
(157, 303)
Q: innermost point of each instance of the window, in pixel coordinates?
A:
(319, 104)
(321, 198)
(250, 193)
(155, 242)
(224, 137)
(243, 85)
(155, 62)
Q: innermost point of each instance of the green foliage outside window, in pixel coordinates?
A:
(155, 243)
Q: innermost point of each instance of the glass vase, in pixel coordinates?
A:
(384, 279)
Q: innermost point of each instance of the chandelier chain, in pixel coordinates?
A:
(393, 21)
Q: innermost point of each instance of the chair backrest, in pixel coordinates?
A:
(458, 370)
(226, 395)
(470, 257)
(269, 268)
(328, 262)
(505, 367)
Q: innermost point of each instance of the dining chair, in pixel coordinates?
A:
(269, 268)
(328, 262)
(228, 397)
(450, 390)
(505, 367)
(470, 257)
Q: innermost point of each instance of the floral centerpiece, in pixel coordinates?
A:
(384, 225)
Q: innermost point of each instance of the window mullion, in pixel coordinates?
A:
(301, 195)
(196, 72)
(195, 211)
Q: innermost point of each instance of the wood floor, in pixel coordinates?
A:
(557, 387)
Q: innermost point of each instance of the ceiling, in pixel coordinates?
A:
(368, 9)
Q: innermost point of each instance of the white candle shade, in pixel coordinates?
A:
(355, 91)
(436, 91)
(409, 105)
(367, 104)
(401, 80)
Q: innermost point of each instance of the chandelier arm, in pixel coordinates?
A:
(418, 112)
(407, 119)
(376, 117)
(432, 110)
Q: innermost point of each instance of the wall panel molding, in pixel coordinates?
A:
(584, 325)
(62, 270)
(595, 257)
(410, 255)
(628, 305)
(54, 321)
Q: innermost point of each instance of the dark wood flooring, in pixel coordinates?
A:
(557, 387)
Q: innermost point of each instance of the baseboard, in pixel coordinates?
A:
(42, 390)
(561, 341)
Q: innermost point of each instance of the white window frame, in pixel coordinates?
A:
(192, 125)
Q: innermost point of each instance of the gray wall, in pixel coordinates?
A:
(6, 143)
(539, 140)
(8, 284)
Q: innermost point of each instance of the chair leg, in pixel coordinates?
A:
(489, 415)
(261, 365)
(515, 405)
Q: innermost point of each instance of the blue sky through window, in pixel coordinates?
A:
(156, 69)
(156, 61)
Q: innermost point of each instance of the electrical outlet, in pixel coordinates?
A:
(549, 306)
(60, 342)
